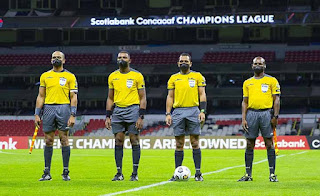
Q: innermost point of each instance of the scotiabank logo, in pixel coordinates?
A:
(11, 143)
(286, 142)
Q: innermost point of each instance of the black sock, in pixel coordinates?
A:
(66, 156)
(135, 158)
(197, 159)
(271, 160)
(249, 160)
(47, 157)
(178, 155)
(118, 154)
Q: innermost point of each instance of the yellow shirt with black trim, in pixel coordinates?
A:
(260, 90)
(126, 86)
(58, 86)
(185, 86)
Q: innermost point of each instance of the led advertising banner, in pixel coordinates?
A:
(183, 20)
(230, 142)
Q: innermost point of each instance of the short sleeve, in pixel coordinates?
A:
(110, 84)
(245, 89)
(201, 80)
(42, 81)
(170, 83)
(73, 84)
(275, 87)
(141, 84)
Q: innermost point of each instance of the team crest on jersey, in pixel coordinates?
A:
(129, 83)
(264, 87)
(63, 81)
(192, 83)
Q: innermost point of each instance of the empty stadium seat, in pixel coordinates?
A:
(155, 58)
(44, 59)
(302, 56)
(18, 128)
(236, 57)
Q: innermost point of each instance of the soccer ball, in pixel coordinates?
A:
(182, 173)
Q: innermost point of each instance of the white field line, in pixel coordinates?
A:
(208, 173)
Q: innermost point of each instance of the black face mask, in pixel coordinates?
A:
(184, 67)
(123, 64)
(258, 69)
(56, 62)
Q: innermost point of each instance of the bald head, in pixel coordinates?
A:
(259, 61)
(58, 55)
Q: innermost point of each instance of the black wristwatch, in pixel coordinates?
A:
(141, 116)
(73, 114)
(276, 117)
(168, 113)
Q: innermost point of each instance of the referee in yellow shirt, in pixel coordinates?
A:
(186, 91)
(260, 110)
(58, 97)
(127, 93)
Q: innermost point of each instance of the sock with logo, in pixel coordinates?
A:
(118, 154)
(178, 155)
(135, 158)
(66, 157)
(271, 160)
(249, 160)
(47, 157)
(197, 159)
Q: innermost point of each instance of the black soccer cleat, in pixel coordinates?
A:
(198, 177)
(172, 179)
(45, 176)
(245, 178)
(273, 178)
(65, 175)
(118, 177)
(134, 177)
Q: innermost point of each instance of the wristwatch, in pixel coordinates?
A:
(168, 113)
(276, 117)
(73, 114)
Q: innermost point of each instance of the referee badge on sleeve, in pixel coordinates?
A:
(62, 81)
(264, 87)
(129, 83)
(192, 83)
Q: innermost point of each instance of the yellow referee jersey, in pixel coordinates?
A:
(260, 90)
(185, 88)
(58, 86)
(126, 86)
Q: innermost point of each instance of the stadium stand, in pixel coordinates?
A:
(18, 128)
(236, 57)
(212, 127)
(44, 59)
(155, 58)
(302, 56)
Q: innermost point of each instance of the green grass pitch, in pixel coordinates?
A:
(91, 172)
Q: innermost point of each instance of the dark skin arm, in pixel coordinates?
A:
(244, 106)
(109, 107)
(73, 102)
(202, 97)
(169, 105)
(39, 104)
(276, 109)
(143, 105)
